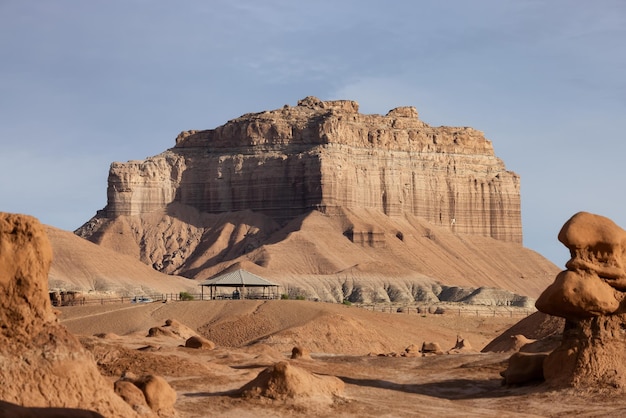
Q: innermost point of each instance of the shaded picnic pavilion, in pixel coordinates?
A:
(246, 285)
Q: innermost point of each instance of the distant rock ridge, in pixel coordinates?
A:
(325, 155)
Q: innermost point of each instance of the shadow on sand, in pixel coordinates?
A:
(452, 389)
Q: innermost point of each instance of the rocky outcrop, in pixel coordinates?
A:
(41, 364)
(325, 155)
(591, 296)
(331, 204)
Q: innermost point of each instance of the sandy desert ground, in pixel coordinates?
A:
(360, 347)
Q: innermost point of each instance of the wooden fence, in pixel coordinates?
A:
(449, 309)
(392, 308)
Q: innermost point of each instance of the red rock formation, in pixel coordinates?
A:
(41, 363)
(591, 296)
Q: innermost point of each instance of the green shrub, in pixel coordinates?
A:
(185, 296)
(300, 297)
(284, 296)
(347, 302)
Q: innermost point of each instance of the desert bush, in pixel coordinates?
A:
(300, 297)
(347, 302)
(185, 296)
(284, 296)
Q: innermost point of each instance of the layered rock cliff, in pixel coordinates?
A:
(329, 203)
(325, 155)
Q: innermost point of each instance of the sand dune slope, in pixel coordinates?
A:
(78, 264)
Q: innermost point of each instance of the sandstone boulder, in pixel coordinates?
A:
(300, 353)
(158, 394)
(133, 396)
(431, 348)
(412, 350)
(196, 341)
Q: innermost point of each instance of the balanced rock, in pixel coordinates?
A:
(590, 295)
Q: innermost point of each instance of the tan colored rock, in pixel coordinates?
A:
(159, 395)
(461, 346)
(133, 396)
(431, 348)
(300, 353)
(41, 363)
(412, 350)
(524, 368)
(592, 354)
(538, 330)
(325, 155)
(284, 381)
(199, 342)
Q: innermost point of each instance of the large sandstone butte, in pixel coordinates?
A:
(41, 364)
(591, 296)
(348, 196)
(325, 156)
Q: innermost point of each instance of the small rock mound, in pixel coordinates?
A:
(300, 353)
(199, 342)
(156, 392)
(133, 396)
(282, 381)
(172, 328)
(412, 351)
(431, 349)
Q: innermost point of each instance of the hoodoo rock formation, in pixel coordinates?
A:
(591, 296)
(360, 200)
(42, 365)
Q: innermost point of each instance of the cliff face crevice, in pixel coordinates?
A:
(326, 156)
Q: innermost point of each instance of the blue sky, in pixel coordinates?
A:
(86, 83)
